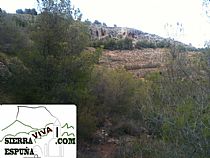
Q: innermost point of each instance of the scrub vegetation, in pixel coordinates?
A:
(46, 58)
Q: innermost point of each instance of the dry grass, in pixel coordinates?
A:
(139, 62)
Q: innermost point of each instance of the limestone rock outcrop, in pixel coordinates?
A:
(100, 32)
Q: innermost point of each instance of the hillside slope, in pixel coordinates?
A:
(139, 62)
(101, 32)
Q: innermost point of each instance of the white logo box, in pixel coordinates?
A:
(42, 130)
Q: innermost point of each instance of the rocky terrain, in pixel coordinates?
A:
(100, 32)
(139, 62)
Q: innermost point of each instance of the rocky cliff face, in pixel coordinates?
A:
(100, 32)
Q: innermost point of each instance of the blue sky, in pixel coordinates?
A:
(147, 15)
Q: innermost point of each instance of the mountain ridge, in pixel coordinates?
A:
(103, 32)
(100, 31)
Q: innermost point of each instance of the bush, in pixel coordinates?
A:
(163, 44)
(114, 90)
(112, 44)
(125, 44)
(87, 124)
(96, 22)
(27, 11)
(144, 44)
(181, 48)
(19, 11)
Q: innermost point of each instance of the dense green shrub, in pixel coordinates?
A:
(12, 40)
(163, 44)
(113, 44)
(87, 124)
(110, 44)
(145, 44)
(125, 44)
(152, 44)
(114, 90)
